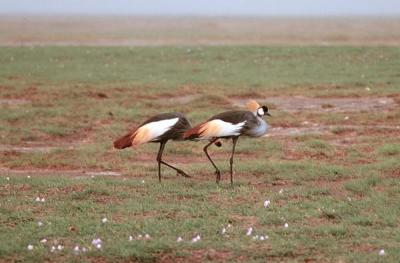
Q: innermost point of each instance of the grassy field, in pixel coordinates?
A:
(331, 174)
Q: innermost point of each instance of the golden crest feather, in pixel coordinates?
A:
(252, 105)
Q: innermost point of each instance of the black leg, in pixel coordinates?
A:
(217, 172)
(160, 161)
(179, 171)
(234, 140)
(160, 151)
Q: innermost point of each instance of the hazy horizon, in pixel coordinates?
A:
(204, 7)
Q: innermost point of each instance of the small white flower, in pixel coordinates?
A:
(30, 247)
(281, 191)
(104, 220)
(367, 89)
(98, 246)
(42, 200)
(286, 225)
(59, 247)
(76, 249)
(223, 230)
(147, 236)
(346, 118)
(266, 203)
(130, 238)
(43, 241)
(262, 238)
(266, 236)
(96, 241)
(229, 226)
(179, 239)
(196, 239)
(37, 199)
(29, 177)
(249, 231)
(8, 178)
(92, 176)
(84, 249)
(139, 236)
(381, 252)
(53, 248)
(142, 181)
(255, 237)
(40, 223)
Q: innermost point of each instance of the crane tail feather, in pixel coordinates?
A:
(123, 142)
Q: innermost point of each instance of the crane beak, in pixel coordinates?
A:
(268, 114)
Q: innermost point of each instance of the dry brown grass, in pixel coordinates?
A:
(159, 31)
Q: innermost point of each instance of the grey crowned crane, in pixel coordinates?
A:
(230, 125)
(158, 129)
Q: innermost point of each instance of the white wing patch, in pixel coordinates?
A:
(219, 128)
(157, 128)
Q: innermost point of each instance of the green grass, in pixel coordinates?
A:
(389, 149)
(74, 83)
(320, 224)
(257, 68)
(340, 190)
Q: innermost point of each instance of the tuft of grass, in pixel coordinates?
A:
(318, 147)
(362, 186)
(389, 149)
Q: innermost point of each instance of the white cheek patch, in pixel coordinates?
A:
(260, 111)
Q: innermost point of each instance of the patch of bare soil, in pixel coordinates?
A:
(151, 158)
(335, 188)
(49, 172)
(301, 103)
(244, 220)
(330, 129)
(179, 99)
(188, 159)
(13, 101)
(103, 173)
(203, 255)
(296, 131)
(196, 99)
(363, 247)
(44, 146)
(32, 149)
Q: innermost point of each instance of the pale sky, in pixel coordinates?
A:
(203, 7)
